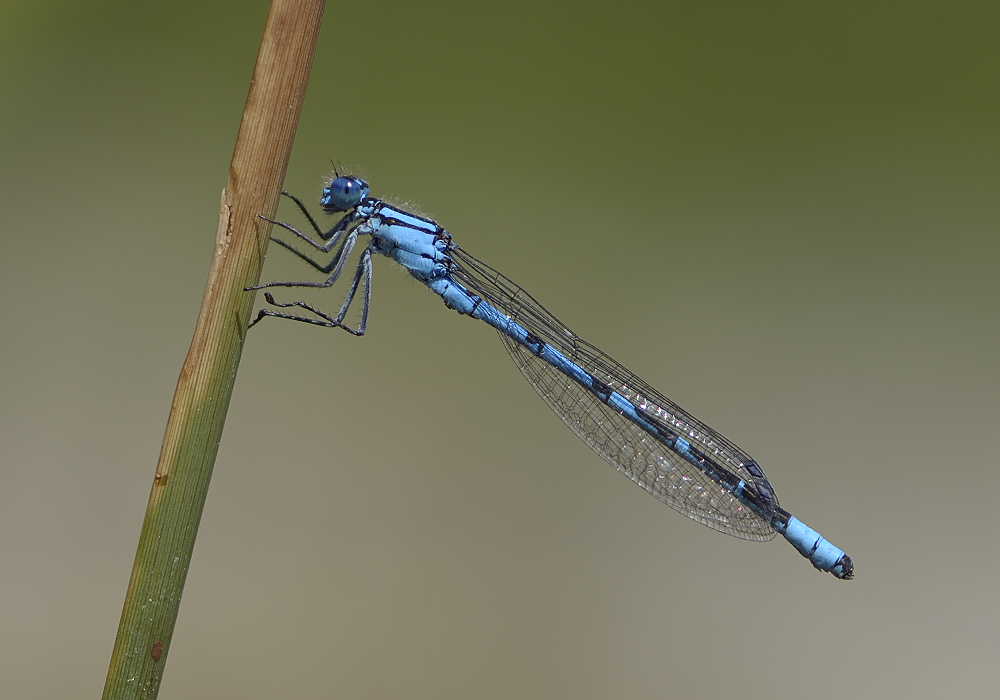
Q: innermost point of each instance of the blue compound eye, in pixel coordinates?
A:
(343, 193)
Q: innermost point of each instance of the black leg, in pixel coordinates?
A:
(336, 232)
(302, 208)
(344, 222)
(364, 272)
(322, 268)
(340, 258)
(315, 321)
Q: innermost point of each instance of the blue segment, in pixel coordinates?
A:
(414, 222)
(420, 267)
(550, 355)
(640, 432)
(454, 296)
(409, 239)
(823, 555)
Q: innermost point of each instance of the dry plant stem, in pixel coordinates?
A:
(205, 386)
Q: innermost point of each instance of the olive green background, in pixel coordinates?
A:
(783, 215)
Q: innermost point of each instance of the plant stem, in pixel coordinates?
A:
(205, 386)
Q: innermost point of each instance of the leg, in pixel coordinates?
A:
(364, 270)
(339, 226)
(327, 321)
(322, 268)
(333, 234)
(344, 222)
(302, 208)
(339, 260)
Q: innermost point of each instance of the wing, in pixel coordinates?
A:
(637, 454)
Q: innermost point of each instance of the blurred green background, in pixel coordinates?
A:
(783, 215)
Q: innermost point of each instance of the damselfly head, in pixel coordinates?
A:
(345, 192)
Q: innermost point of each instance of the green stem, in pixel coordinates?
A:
(205, 386)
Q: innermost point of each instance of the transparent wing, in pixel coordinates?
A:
(627, 447)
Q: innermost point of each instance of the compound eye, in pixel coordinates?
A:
(343, 193)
